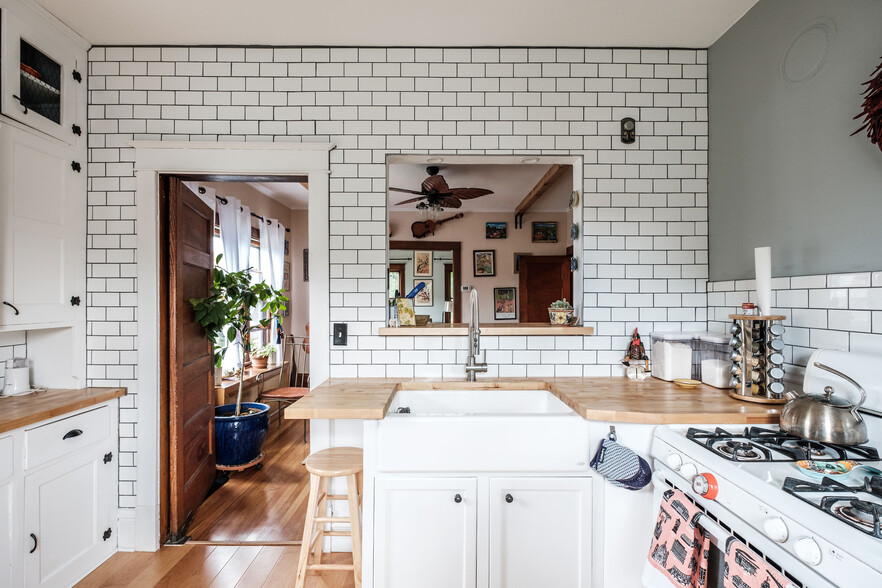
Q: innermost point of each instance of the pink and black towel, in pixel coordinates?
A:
(679, 550)
(744, 569)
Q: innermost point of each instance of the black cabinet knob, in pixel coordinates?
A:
(74, 300)
(509, 498)
(75, 165)
(76, 130)
(457, 499)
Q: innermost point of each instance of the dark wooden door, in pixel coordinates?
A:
(191, 408)
(542, 280)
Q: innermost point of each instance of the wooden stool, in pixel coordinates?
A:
(330, 463)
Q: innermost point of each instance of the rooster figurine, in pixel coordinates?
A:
(636, 351)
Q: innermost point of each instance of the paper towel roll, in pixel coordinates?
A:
(763, 260)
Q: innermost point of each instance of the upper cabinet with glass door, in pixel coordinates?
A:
(43, 75)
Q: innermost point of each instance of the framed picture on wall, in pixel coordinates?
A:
(422, 263)
(485, 263)
(505, 306)
(517, 261)
(496, 230)
(544, 232)
(426, 296)
(286, 276)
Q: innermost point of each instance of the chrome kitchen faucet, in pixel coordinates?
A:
(471, 366)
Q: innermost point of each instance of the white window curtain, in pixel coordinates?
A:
(235, 232)
(272, 261)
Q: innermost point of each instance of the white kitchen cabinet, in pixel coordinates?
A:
(58, 506)
(425, 530)
(42, 228)
(43, 73)
(540, 532)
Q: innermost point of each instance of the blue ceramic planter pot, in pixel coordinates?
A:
(238, 439)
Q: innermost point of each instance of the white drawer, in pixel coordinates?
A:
(6, 457)
(64, 436)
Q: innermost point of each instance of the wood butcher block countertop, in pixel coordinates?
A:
(20, 411)
(615, 399)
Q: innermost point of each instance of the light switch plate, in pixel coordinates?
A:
(341, 331)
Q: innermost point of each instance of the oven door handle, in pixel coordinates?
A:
(718, 533)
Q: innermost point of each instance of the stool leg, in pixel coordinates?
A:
(314, 483)
(322, 512)
(354, 525)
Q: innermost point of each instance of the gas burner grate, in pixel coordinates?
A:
(843, 501)
(775, 445)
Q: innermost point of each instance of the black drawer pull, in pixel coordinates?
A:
(509, 498)
(34, 548)
(72, 434)
(14, 309)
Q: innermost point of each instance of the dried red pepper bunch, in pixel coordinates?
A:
(872, 108)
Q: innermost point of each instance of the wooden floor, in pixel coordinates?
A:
(266, 505)
(220, 566)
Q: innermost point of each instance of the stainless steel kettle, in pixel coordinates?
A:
(826, 418)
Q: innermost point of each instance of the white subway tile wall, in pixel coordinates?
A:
(644, 211)
(12, 344)
(833, 311)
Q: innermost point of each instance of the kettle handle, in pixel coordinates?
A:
(854, 409)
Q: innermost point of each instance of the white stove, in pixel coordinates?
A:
(819, 530)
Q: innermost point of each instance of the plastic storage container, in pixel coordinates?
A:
(715, 362)
(672, 355)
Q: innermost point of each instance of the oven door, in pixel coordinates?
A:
(720, 523)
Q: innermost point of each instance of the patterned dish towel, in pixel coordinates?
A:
(744, 569)
(679, 550)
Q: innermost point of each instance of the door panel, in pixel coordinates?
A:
(191, 410)
(423, 536)
(542, 536)
(542, 280)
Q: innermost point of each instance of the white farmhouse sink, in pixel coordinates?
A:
(477, 402)
(476, 430)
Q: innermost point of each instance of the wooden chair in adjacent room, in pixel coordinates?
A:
(295, 351)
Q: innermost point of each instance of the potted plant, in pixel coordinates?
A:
(240, 428)
(560, 312)
(260, 358)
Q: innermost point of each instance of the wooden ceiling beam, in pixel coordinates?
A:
(541, 187)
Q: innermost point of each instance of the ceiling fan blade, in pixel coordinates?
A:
(469, 193)
(450, 202)
(435, 184)
(405, 191)
(411, 201)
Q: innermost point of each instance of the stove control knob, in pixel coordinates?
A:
(776, 529)
(705, 485)
(675, 461)
(807, 550)
(688, 470)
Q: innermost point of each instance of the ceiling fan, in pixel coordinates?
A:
(437, 193)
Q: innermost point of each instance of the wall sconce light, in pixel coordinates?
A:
(628, 126)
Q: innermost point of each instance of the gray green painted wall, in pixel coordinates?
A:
(783, 170)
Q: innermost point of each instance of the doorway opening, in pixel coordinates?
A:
(199, 503)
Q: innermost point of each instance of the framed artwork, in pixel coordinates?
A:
(517, 261)
(422, 263)
(406, 316)
(485, 263)
(544, 232)
(496, 230)
(286, 276)
(426, 296)
(505, 306)
(287, 246)
(306, 265)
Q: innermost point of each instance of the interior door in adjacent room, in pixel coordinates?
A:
(190, 368)
(542, 280)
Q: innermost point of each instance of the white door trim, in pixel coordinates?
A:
(140, 530)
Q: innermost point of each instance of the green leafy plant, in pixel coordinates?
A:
(264, 351)
(561, 305)
(224, 313)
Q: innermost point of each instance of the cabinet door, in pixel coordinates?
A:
(69, 519)
(43, 77)
(425, 532)
(42, 223)
(540, 532)
(7, 469)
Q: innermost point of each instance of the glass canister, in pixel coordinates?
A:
(715, 361)
(671, 355)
